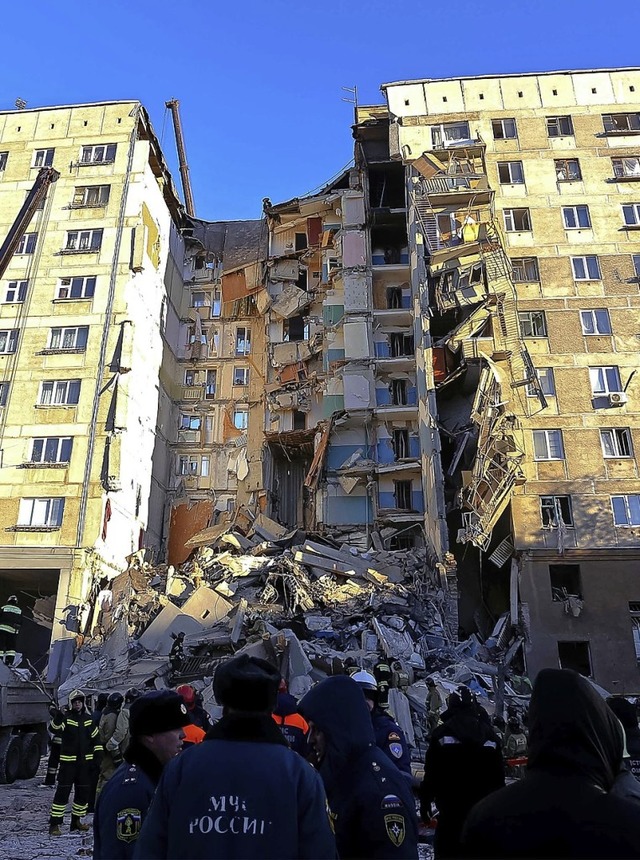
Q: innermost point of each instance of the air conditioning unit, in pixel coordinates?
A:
(617, 398)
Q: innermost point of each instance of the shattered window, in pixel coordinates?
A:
(400, 443)
(631, 214)
(621, 122)
(403, 495)
(555, 510)
(559, 126)
(565, 579)
(450, 133)
(399, 392)
(504, 129)
(616, 442)
(567, 170)
(595, 321)
(546, 380)
(525, 269)
(576, 217)
(532, 324)
(516, 220)
(510, 172)
(626, 510)
(547, 445)
(586, 268)
(626, 168)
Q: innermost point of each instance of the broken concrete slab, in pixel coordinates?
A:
(206, 606)
(157, 637)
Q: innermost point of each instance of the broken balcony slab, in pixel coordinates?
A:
(290, 301)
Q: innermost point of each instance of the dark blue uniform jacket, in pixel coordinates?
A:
(241, 793)
(391, 739)
(370, 800)
(123, 804)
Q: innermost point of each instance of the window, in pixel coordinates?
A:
(204, 467)
(41, 513)
(210, 384)
(636, 264)
(200, 300)
(91, 195)
(567, 170)
(532, 324)
(555, 510)
(102, 153)
(510, 172)
(76, 288)
(401, 443)
(546, 380)
(565, 579)
(4, 156)
(449, 133)
(216, 304)
(586, 268)
(8, 340)
(621, 122)
(504, 129)
(4, 393)
(525, 269)
(60, 392)
(604, 380)
(16, 291)
(84, 240)
(300, 240)
(616, 442)
(299, 420)
(547, 445)
(399, 392)
(626, 168)
(69, 338)
(240, 375)
(626, 510)
(190, 422)
(575, 655)
(402, 494)
(631, 214)
(27, 244)
(595, 321)
(51, 449)
(634, 613)
(241, 418)
(188, 466)
(243, 341)
(400, 344)
(516, 220)
(576, 217)
(43, 157)
(559, 126)
(295, 329)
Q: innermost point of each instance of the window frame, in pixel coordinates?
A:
(634, 208)
(27, 244)
(92, 147)
(503, 135)
(557, 162)
(542, 317)
(243, 344)
(439, 137)
(522, 263)
(190, 422)
(241, 423)
(548, 445)
(592, 314)
(607, 371)
(19, 287)
(4, 392)
(555, 122)
(83, 193)
(619, 171)
(584, 258)
(630, 129)
(54, 512)
(4, 159)
(552, 505)
(11, 336)
(44, 443)
(634, 616)
(509, 166)
(620, 438)
(54, 383)
(576, 211)
(630, 515)
(635, 260)
(87, 288)
(92, 246)
(548, 376)
(509, 216)
(63, 334)
(241, 371)
(43, 157)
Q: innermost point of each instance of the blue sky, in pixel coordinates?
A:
(259, 81)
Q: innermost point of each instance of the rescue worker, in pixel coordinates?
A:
(77, 739)
(197, 714)
(157, 722)
(564, 806)
(120, 737)
(294, 727)
(371, 802)
(388, 734)
(10, 622)
(242, 793)
(515, 748)
(462, 765)
(176, 655)
(434, 704)
(112, 758)
(383, 674)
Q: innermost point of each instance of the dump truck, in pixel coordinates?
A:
(24, 715)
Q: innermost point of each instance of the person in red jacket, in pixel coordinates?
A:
(292, 725)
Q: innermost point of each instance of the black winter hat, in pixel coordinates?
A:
(246, 683)
(156, 712)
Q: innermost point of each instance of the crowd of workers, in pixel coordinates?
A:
(330, 776)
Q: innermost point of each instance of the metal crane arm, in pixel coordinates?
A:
(45, 178)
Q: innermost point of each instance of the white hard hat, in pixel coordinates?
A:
(365, 679)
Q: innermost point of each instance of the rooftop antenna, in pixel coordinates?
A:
(174, 107)
(20, 104)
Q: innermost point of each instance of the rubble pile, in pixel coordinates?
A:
(310, 605)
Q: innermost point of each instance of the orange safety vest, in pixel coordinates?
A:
(192, 735)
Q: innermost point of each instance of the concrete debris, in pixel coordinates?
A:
(312, 606)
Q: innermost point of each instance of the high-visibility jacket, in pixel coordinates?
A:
(10, 618)
(295, 730)
(76, 737)
(192, 735)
